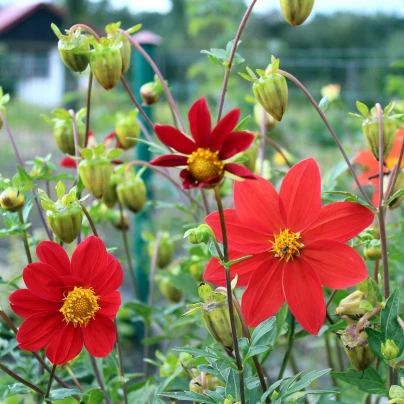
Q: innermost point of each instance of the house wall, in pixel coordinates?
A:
(44, 91)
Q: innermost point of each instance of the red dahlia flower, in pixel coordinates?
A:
(296, 246)
(205, 155)
(68, 304)
(367, 160)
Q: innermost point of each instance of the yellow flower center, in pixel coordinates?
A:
(286, 245)
(204, 164)
(80, 305)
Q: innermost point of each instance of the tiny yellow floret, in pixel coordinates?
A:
(80, 305)
(204, 164)
(286, 245)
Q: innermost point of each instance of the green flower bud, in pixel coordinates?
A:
(296, 12)
(110, 196)
(65, 216)
(357, 348)
(350, 306)
(169, 291)
(396, 393)
(73, 49)
(196, 271)
(95, 174)
(201, 234)
(132, 194)
(127, 129)
(396, 202)
(390, 350)
(165, 252)
(11, 199)
(106, 62)
(151, 92)
(119, 222)
(372, 252)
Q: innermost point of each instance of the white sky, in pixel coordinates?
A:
(322, 6)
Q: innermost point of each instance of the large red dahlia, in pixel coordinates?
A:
(297, 245)
(68, 304)
(205, 155)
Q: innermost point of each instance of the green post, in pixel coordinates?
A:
(142, 73)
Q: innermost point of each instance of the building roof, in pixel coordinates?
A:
(13, 15)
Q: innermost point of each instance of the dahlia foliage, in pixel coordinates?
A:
(229, 263)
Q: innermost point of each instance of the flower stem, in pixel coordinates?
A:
(23, 381)
(395, 171)
(24, 237)
(205, 202)
(231, 58)
(276, 147)
(229, 294)
(289, 348)
(89, 88)
(331, 130)
(120, 361)
(170, 99)
(90, 220)
(52, 374)
(73, 377)
(128, 255)
(99, 379)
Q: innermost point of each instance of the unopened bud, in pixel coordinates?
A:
(373, 251)
(169, 291)
(196, 271)
(198, 235)
(151, 92)
(390, 350)
(132, 194)
(350, 306)
(296, 12)
(165, 252)
(66, 224)
(12, 199)
(96, 174)
(127, 129)
(110, 196)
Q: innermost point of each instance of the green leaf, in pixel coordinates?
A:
(242, 124)
(99, 150)
(233, 385)
(195, 352)
(114, 153)
(219, 53)
(189, 396)
(24, 176)
(60, 190)
(60, 394)
(375, 341)
(247, 77)
(397, 64)
(390, 328)
(256, 350)
(323, 104)
(362, 108)
(369, 381)
(19, 388)
(261, 330)
(87, 154)
(352, 198)
(95, 396)
(394, 196)
(215, 60)
(238, 59)
(371, 290)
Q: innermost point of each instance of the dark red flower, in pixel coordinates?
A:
(205, 156)
(68, 304)
(297, 245)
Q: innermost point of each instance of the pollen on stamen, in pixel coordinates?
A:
(286, 245)
(204, 164)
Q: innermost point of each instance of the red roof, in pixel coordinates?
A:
(13, 15)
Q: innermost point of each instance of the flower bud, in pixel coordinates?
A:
(165, 252)
(350, 306)
(198, 235)
(196, 271)
(211, 382)
(217, 320)
(110, 196)
(296, 12)
(372, 252)
(390, 350)
(127, 129)
(73, 49)
(119, 222)
(106, 62)
(95, 174)
(357, 348)
(11, 199)
(132, 194)
(169, 291)
(151, 92)
(396, 202)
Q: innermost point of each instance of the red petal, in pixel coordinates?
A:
(300, 195)
(54, 255)
(37, 331)
(257, 205)
(376, 196)
(187, 181)
(66, 282)
(337, 265)
(24, 303)
(200, 123)
(240, 237)
(214, 272)
(235, 142)
(223, 128)
(109, 305)
(99, 336)
(264, 295)
(65, 345)
(89, 260)
(175, 139)
(170, 160)
(367, 159)
(109, 279)
(304, 295)
(339, 221)
(36, 277)
(68, 162)
(239, 170)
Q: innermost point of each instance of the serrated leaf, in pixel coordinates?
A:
(19, 388)
(375, 341)
(256, 350)
(369, 381)
(261, 330)
(189, 396)
(195, 352)
(60, 394)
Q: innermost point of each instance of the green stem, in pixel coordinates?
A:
(73, 377)
(120, 361)
(231, 58)
(90, 220)
(331, 130)
(52, 374)
(24, 237)
(229, 294)
(276, 147)
(21, 380)
(289, 347)
(89, 88)
(329, 356)
(99, 379)
(128, 254)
